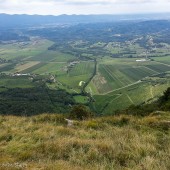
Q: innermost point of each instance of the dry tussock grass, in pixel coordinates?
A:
(115, 142)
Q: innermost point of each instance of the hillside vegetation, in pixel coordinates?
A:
(116, 142)
(137, 139)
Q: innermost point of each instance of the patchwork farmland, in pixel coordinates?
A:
(112, 76)
(117, 84)
(34, 58)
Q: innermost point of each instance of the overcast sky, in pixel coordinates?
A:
(57, 7)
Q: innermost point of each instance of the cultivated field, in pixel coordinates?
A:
(34, 57)
(80, 72)
(24, 50)
(122, 82)
(117, 73)
(118, 83)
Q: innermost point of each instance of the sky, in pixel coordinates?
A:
(58, 7)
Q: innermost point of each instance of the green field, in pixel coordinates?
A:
(81, 99)
(24, 50)
(15, 82)
(52, 67)
(80, 72)
(135, 94)
(118, 73)
(164, 60)
(118, 83)
(34, 57)
(52, 56)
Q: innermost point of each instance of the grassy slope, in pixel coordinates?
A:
(115, 142)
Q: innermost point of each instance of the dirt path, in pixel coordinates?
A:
(121, 88)
(130, 99)
(151, 91)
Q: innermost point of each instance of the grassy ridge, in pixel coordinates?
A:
(115, 142)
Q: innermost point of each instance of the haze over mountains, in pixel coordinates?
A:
(24, 20)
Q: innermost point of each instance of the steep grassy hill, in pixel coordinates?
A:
(117, 142)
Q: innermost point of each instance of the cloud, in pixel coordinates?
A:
(110, 1)
(104, 1)
(57, 7)
(81, 1)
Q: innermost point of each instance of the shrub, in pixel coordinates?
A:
(80, 112)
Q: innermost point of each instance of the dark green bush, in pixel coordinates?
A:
(80, 112)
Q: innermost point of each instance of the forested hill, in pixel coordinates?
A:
(30, 20)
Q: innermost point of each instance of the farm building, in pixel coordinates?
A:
(141, 60)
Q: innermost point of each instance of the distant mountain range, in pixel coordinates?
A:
(11, 21)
